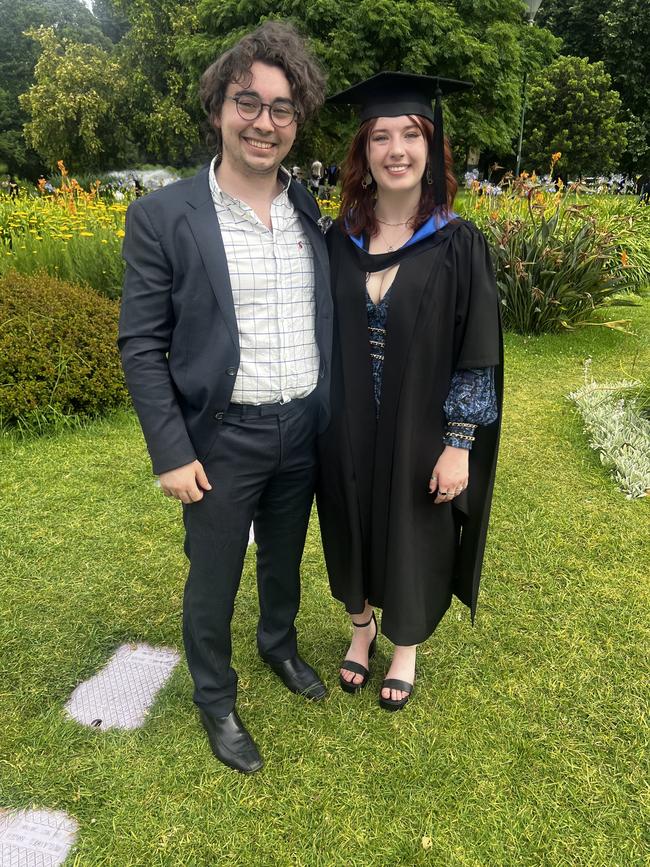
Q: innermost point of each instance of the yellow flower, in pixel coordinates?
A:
(86, 234)
(120, 233)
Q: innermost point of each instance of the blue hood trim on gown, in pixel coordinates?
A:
(429, 228)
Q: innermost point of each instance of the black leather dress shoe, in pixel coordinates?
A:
(298, 677)
(231, 743)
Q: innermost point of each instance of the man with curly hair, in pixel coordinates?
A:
(225, 335)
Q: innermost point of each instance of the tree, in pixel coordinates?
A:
(166, 116)
(468, 39)
(573, 110)
(18, 56)
(78, 105)
(113, 23)
(618, 33)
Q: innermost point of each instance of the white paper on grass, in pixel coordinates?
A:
(35, 838)
(121, 694)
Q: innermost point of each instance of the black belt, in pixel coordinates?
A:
(246, 410)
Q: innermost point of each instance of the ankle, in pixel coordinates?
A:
(404, 654)
(366, 618)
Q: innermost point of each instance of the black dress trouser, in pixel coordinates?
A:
(262, 468)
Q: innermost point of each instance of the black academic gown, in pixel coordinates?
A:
(383, 536)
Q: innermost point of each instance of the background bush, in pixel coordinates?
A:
(559, 252)
(58, 353)
(553, 273)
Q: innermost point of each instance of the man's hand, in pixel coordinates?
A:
(450, 475)
(185, 483)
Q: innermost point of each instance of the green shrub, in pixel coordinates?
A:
(628, 221)
(553, 272)
(58, 355)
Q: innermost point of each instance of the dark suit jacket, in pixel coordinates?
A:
(178, 332)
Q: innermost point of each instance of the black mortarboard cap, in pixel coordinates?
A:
(392, 94)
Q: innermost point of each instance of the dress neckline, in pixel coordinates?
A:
(384, 297)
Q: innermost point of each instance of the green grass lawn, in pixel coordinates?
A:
(524, 743)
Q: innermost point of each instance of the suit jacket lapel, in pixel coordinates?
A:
(204, 224)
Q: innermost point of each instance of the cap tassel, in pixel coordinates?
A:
(438, 155)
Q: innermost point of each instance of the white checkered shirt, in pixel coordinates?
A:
(272, 278)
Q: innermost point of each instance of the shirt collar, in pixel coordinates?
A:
(225, 199)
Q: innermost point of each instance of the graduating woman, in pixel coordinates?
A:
(408, 461)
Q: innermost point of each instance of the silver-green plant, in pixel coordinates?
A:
(617, 430)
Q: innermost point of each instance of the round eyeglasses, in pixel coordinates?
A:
(249, 107)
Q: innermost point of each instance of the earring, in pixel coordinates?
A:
(367, 180)
(429, 175)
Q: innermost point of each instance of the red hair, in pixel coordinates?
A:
(357, 213)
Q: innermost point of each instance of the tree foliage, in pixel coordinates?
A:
(618, 33)
(482, 42)
(165, 115)
(162, 46)
(574, 110)
(113, 23)
(78, 104)
(18, 55)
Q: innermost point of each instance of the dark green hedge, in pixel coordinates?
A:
(58, 355)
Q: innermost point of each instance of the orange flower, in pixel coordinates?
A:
(624, 258)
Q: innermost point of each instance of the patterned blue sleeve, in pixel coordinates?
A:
(471, 402)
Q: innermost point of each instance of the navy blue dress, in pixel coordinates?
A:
(472, 398)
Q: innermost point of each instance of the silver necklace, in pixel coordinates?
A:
(391, 247)
(384, 223)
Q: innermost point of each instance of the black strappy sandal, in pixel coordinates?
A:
(393, 683)
(356, 667)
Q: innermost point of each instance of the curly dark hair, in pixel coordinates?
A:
(278, 44)
(357, 212)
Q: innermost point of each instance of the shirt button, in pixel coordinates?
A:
(218, 416)
(231, 371)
